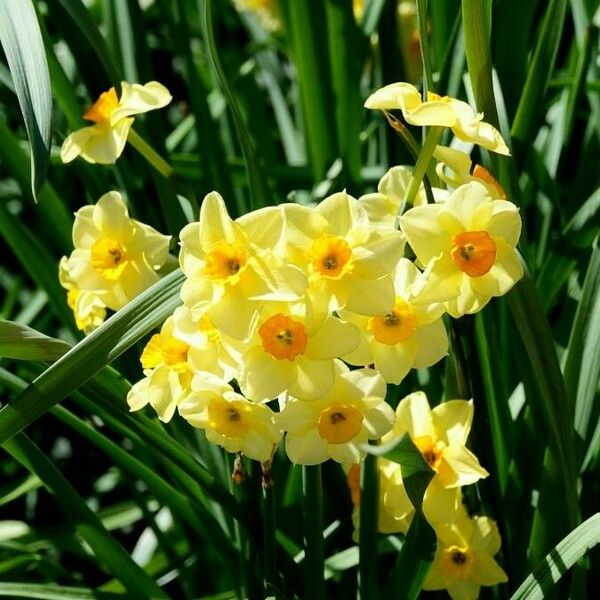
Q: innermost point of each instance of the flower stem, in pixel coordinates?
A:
(367, 546)
(314, 560)
(269, 542)
(427, 151)
(150, 154)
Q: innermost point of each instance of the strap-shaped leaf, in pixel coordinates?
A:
(538, 585)
(24, 48)
(121, 331)
(48, 591)
(24, 343)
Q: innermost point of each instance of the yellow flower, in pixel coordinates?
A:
(440, 435)
(467, 246)
(230, 420)
(464, 558)
(227, 276)
(104, 141)
(168, 374)
(88, 309)
(409, 335)
(340, 423)
(347, 260)
(292, 350)
(441, 111)
(459, 164)
(115, 257)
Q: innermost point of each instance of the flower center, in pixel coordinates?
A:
(395, 326)
(162, 350)
(339, 423)
(225, 260)
(282, 337)
(228, 418)
(101, 110)
(108, 257)
(483, 174)
(330, 256)
(431, 451)
(474, 252)
(457, 562)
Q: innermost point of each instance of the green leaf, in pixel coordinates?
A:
(108, 551)
(46, 591)
(97, 350)
(24, 343)
(24, 48)
(543, 578)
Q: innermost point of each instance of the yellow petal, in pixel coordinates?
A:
(307, 449)
(486, 537)
(394, 361)
(403, 96)
(343, 213)
(136, 99)
(505, 222)
(263, 377)
(452, 419)
(459, 467)
(413, 416)
(432, 344)
(313, 378)
(432, 113)
(332, 339)
(463, 590)
(486, 571)
(107, 143)
(423, 232)
(111, 217)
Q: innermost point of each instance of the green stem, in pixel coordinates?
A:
(150, 154)
(367, 566)
(270, 545)
(424, 42)
(314, 560)
(433, 135)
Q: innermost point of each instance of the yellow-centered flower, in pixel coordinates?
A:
(409, 335)
(230, 420)
(115, 257)
(338, 424)
(441, 111)
(464, 558)
(467, 246)
(103, 142)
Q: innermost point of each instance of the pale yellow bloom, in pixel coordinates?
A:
(228, 277)
(115, 257)
(229, 419)
(455, 170)
(440, 434)
(464, 558)
(347, 260)
(104, 141)
(168, 374)
(410, 335)
(441, 111)
(467, 246)
(88, 309)
(339, 424)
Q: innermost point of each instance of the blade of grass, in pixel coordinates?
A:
(24, 49)
(367, 543)
(314, 561)
(24, 343)
(48, 591)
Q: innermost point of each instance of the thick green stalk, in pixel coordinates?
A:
(269, 541)
(314, 561)
(150, 154)
(424, 42)
(369, 493)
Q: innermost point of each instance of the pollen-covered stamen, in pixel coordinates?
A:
(283, 337)
(228, 418)
(339, 423)
(330, 256)
(457, 562)
(101, 110)
(474, 252)
(225, 260)
(108, 257)
(396, 325)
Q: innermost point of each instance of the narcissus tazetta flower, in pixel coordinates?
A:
(115, 256)
(464, 558)
(467, 246)
(112, 116)
(339, 424)
(440, 111)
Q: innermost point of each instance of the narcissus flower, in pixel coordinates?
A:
(103, 142)
(337, 425)
(441, 111)
(230, 420)
(227, 276)
(467, 247)
(168, 374)
(292, 350)
(459, 164)
(440, 435)
(409, 335)
(115, 257)
(347, 260)
(464, 558)
(88, 309)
